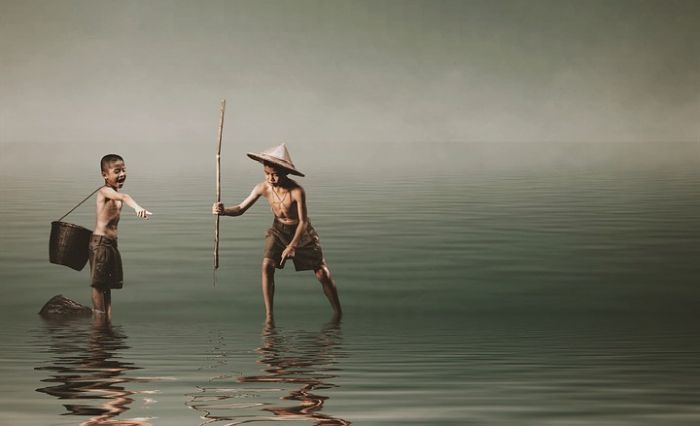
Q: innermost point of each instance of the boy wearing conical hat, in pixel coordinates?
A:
(291, 235)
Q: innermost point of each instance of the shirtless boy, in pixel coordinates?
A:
(291, 235)
(105, 260)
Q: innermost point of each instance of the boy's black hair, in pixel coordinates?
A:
(280, 170)
(108, 159)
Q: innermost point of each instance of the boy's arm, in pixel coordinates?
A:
(299, 196)
(111, 194)
(218, 208)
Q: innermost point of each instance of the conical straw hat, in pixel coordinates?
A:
(279, 156)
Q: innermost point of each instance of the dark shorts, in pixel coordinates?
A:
(308, 254)
(105, 263)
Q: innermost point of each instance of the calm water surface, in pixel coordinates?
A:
(538, 298)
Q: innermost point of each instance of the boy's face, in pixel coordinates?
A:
(115, 174)
(273, 176)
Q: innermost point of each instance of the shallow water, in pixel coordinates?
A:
(543, 296)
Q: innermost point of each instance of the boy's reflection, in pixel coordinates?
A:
(306, 359)
(87, 365)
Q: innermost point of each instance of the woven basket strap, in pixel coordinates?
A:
(78, 205)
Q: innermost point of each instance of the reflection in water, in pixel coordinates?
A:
(300, 359)
(88, 367)
(304, 360)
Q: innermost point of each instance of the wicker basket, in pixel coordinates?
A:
(69, 245)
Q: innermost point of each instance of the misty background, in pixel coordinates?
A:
(337, 80)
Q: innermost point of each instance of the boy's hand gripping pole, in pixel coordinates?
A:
(218, 183)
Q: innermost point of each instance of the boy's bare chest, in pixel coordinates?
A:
(281, 204)
(112, 208)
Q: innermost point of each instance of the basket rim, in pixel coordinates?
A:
(69, 224)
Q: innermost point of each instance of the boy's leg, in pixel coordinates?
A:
(323, 274)
(108, 302)
(268, 286)
(98, 301)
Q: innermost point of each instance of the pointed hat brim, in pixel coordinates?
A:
(279, 156)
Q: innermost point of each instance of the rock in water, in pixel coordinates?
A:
(59, 306)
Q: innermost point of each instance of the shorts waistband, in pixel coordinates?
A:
(290, 228)
(101, 239)
(283, 226)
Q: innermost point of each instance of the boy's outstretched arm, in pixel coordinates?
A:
(218, 208)
(111, 194)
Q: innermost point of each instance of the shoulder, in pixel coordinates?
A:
(107, 192)
(297, 190)
(260, 188)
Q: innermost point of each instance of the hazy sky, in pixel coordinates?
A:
(350, 71)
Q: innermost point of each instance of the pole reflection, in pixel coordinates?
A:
(87, 366)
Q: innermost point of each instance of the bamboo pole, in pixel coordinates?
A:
(218, 183)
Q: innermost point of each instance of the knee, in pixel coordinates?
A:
(323, 273)
(268, 266)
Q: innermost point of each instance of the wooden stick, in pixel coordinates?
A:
(218, 184)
